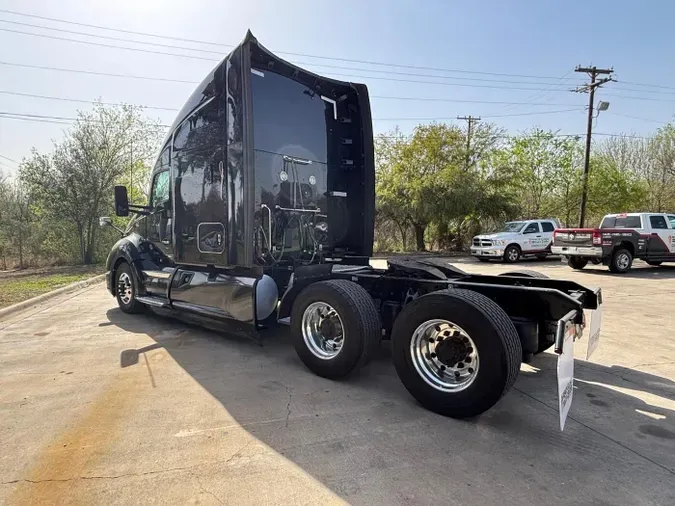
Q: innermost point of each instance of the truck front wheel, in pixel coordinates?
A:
(621, 261)
(125, 289)
(577, 263)
(456, 351)
(335, 327)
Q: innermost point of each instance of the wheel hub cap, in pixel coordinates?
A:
(623, 261)
(124, 288)
(322, 330)
(444, 355)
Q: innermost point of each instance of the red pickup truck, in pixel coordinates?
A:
(620, 239)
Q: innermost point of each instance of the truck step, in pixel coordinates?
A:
(154, 301)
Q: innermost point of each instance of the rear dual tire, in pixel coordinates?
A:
(335, 327)
(470, 323)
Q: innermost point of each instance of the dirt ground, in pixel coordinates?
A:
(100, 407)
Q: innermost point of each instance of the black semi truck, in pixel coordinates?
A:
(261, 212)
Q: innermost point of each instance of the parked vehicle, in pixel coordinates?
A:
(516, 240)
(620, 239)
(262, 211)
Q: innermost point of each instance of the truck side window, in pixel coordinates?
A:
(160, 189)
(671, 219)
(547, 226)
(658, 222)
(532, 228)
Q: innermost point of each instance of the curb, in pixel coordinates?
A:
(78, 285)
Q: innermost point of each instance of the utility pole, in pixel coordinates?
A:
(470, 121)
(131, 171)
(595, 83)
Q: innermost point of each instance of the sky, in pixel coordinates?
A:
(470, 56)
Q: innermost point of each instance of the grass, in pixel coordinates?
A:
(17, 286)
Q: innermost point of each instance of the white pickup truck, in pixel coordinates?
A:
(515, 240)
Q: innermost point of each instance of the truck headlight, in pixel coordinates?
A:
(498, 242)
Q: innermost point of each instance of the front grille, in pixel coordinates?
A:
(482, 242)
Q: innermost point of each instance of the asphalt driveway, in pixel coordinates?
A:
(100, 407)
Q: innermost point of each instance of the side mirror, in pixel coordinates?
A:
(105, 221)
(121, 201)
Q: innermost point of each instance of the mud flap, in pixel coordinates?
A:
(565, 372)
(594, 332)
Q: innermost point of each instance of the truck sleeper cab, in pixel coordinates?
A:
(261, 211)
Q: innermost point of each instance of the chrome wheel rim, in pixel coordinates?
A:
(444, 355)
(513, 254)
(622, 261)
(322, 330)
(124, 289)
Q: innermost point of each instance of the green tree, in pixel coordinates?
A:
(74, 183)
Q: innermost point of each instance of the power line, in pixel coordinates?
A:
(9, 159)
(641, 119)
(46, 97)
(576, 109)
(195, 41)
(164, 53)
(219, 44)
(338, 67)
(154, 78)
(91, 72)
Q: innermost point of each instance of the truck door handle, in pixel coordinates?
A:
(538, 236)
(166, 241)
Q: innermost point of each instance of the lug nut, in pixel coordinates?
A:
(440, 338)
(467, 360)
(460, 365)
(456, 374)
(470, 370)
(431, 339)
(433, 355)
(469, 350)
(442, 368)
(437, 328)
(427, 356)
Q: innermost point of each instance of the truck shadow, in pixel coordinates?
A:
(367, 440)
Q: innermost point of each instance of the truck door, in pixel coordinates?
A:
(159, 267)
(547, 229)
(532, 237)
(661, 241)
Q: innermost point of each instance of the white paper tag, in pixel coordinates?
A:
(594, 331)
(566, 375)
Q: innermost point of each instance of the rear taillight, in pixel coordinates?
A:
(555, 232)
(597, 238)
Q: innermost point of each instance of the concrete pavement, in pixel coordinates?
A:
(99, 407)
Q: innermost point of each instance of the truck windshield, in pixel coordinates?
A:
(513, 226)
(621, 222)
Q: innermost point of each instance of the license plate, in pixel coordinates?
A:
(565, 371)
(594, 331)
